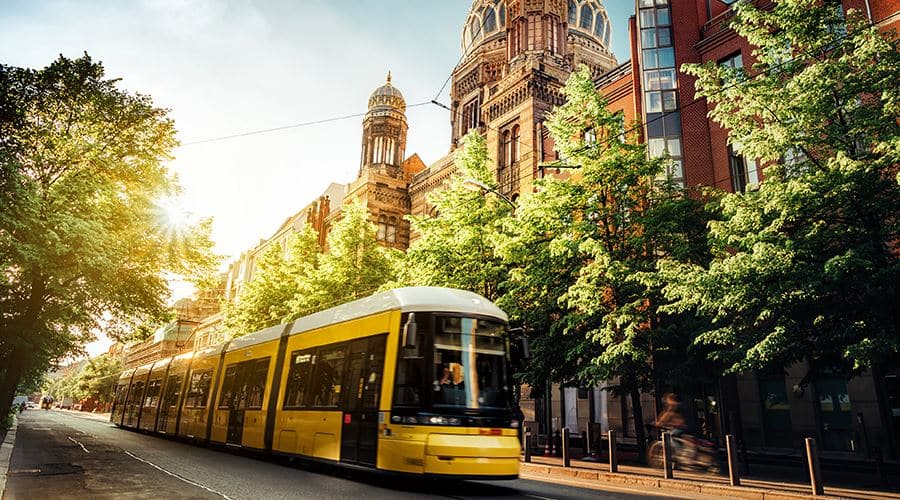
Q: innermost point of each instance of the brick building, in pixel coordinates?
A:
(517, 54)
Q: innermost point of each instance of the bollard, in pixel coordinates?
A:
(613, 457)
(565, 447)
(527, 444)
(734, 475)
(667, 455)
(815, 473)
(585, 435)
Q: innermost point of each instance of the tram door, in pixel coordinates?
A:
(238, 400)
(362, 380)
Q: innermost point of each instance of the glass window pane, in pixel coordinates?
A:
(664, 36)
(662, 3)
(655, 125)
(654, 102)
(587, 17)
(650, 59)
(674, 146)
(662, 17)
(666, 57)
(647, 18)
(490, 20)
(672, 123)
(648, 38)
(677, 169)
(656, 147)
(646, 3)
(573, 13)
(669, 101)
(325, 389)
(666, 78)
(298, 378)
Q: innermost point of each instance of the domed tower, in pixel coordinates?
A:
(517, 56)
(384, 173)
(384, 131)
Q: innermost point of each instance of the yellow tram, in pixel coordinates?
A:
(413, 380)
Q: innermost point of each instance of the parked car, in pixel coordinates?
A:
(31, 405)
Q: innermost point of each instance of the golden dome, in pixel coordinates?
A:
(387, 97)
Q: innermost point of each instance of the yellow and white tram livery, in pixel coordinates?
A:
(413, 380)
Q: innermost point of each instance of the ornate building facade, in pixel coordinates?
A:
(382, 184)
(517, 55)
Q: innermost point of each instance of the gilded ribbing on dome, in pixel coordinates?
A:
(387, 97)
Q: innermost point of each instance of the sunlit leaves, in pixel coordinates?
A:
(806, 267)
(80, 238)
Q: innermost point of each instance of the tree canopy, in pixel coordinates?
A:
(84, 243)
(806, 266)
(459, 246)
(299, 279)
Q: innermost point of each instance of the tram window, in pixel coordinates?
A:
(227, 386)
(151, 399)
(173, 390)
(120, 393)
(256, 387)
(325, 388)
(198, 391)
(410, 378)
(137, 393)
(298, 378)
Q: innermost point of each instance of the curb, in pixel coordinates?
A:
(6, 453)
(667, 485)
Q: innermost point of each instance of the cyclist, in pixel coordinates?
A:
(672, 421)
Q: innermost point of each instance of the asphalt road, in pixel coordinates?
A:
(66, 455)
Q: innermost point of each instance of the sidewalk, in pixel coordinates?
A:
(757, 486)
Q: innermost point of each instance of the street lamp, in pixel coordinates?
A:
(480, 186)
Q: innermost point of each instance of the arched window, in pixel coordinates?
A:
(587, 17)
(599, 27)
(514, 145)
(475, 28)
(490, 20)
(573, 13)
(503, 156)
(502, 15)
(382, 228)
(391, 236)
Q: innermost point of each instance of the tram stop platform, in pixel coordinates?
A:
(763, 482)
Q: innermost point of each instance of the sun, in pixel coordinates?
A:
(173, 214)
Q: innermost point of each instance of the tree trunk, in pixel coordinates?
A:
(10, 382)
(640, 435)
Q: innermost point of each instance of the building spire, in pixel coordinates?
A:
(389, 76)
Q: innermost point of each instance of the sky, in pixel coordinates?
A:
(226, 67)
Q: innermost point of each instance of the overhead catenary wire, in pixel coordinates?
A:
(455, 113)
(287, 127)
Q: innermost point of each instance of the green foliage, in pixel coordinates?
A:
(300, 280)
(806, 267)
(584, 250)
(281, 275)
(83, 243)
(458, 247)
(355, 266)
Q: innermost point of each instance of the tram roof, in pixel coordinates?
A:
(407, 299)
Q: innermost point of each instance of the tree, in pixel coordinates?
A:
(586, 248)
(97, 379)
(458, 246)
(282, 275)
(354, 266)
(806, 266)
(83, 241)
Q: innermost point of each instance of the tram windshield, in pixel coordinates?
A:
(458, 363)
